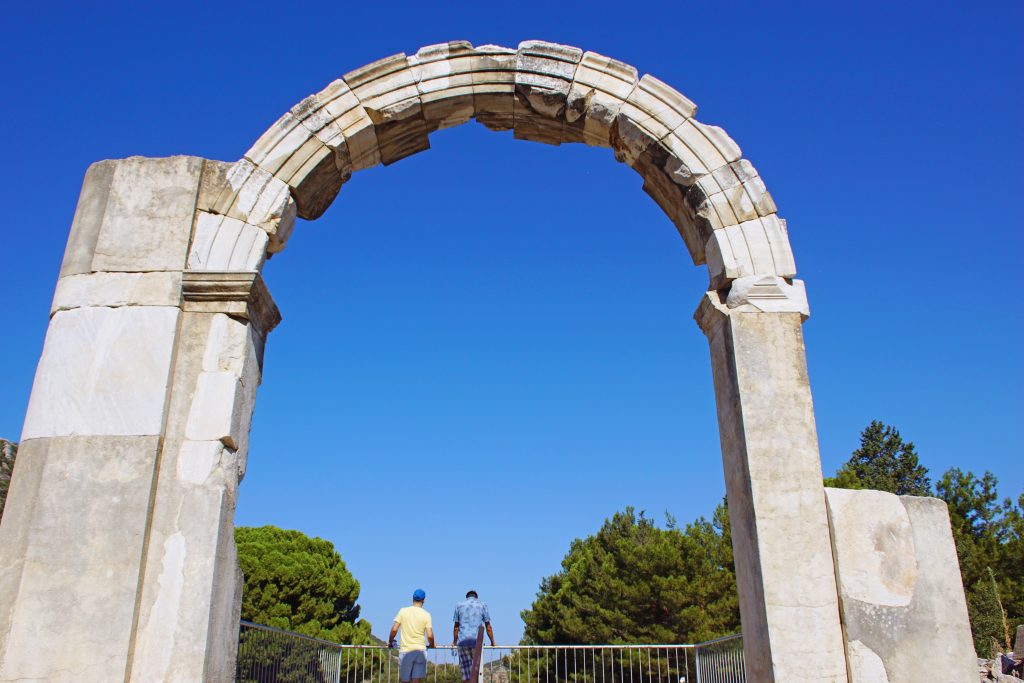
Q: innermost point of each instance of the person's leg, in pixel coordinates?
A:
(405, 667)
(417, 666)
(466, 661)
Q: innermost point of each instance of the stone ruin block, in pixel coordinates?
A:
(900, 591)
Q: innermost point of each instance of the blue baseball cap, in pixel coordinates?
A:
(419, 594)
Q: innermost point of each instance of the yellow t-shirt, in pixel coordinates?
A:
(413, 622)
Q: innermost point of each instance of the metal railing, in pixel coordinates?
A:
(270, 655)
(720, 660)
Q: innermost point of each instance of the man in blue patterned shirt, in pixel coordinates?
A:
(470, 614)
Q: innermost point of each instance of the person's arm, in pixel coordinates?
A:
(455, 634)
(394, 631)
(487, 622)
(430, 636)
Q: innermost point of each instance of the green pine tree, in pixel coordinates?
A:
(989, 535)
(296, 583)
(884, 462)
(633, 582)
(300, 584)
(986, 613)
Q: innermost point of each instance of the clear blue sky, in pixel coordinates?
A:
(488, 348)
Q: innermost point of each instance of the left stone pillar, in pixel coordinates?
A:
(118, 523)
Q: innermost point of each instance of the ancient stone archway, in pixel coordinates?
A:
(118, 537)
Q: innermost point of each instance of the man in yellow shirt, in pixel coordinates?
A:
(417, 630)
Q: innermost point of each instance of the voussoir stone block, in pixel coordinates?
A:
(103, 371)
(600, 87)
(494, 84)
(755, 247)
(700, 148)
(134, 215)
(246, 192)
(544, 73)
(900, 589)
(657, 107)
(301, 160)
(444, 79)
(388, 92)
(223, 243)
(746, 192)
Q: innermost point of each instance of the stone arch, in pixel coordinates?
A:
(545, 92)
(550, 93)
(117, 538)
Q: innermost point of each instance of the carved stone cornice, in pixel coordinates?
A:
(241, 294)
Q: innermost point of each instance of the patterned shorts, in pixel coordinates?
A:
(466, 648)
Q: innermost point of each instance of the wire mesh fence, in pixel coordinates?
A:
(269, 655)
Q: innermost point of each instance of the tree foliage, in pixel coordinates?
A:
(300, 584)
(884, 462)
(987, 616)
(988, 532)
(8, 453)
(989, 536)
(633, 582)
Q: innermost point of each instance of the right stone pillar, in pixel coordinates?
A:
(785, 576)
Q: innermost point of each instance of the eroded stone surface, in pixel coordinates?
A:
(117, 289)
(103, 371)
(190, 596)
(755, 247)
(874, 546)
(224, 243)
(767, 294)
(900, 588)
(142, 219)
(248, 193)
(784, 568)
(865, 665)
(77, 514)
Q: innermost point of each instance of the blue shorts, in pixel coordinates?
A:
(412, 664)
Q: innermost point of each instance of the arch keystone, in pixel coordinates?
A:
(494, 78)
(544, 73)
